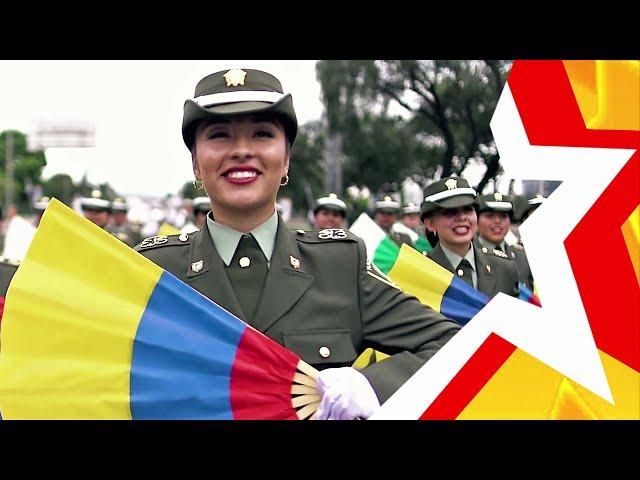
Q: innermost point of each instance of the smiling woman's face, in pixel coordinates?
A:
(241, 161)
(455, 226)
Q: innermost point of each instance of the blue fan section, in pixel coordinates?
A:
(461, 301)
(182, 356)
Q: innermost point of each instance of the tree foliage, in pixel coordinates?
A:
(305, 170)
(189, 191)
(399, 117)
(27, 170)
(60, 186)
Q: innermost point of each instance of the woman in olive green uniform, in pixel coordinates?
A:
(495, 215)
(449, 211)
(313, 292)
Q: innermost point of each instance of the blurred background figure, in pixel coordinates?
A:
(39, 207)
(2, 228)
(329, 212)
(18, 235)
(96, 208)
(411, 218)
(386, 215)
(119, 225)
(495, 214)
(201, 206)
(7, 270)
(532, 204)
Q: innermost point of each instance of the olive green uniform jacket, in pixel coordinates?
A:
(334, 299)
(518, 254)
(496, 272)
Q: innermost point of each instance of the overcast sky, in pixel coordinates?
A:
(136, 107)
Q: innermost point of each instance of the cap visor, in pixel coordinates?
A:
(194, 113)
(457, 201)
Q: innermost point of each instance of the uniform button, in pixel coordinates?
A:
(244, 262)
(324, 352)
(460, 272)
(484, 250)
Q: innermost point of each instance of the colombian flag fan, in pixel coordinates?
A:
(93, 330)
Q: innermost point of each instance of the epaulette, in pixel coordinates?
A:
(497, 253)
(517, 246)
(375, 272)
(164, 241)
(326, 235)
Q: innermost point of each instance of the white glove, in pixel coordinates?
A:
(346, 395)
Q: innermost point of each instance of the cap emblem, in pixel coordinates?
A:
(451, 183)
(235, 77)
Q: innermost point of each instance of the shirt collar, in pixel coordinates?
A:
(485, 243)
(455, 259)
(226, 239)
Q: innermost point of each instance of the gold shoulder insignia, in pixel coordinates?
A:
(153, 241)
(517, 246)
(500, 253)
(332, 234)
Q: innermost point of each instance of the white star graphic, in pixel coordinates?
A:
(558, 334)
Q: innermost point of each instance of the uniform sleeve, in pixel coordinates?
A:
(399, 325)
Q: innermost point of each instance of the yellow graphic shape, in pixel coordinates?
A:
(607, 92)
(526, 389)
(631, 233)
(569, 404)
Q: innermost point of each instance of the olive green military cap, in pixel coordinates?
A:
(449, 192)
(387, 205)
(41, 204)
(201, 204)
(95, 203)
(532, 204)
(119, 205)
(230, 92)
(410, 208)
(495, 202)
(331, 202)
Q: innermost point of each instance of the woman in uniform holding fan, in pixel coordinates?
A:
(313, 292)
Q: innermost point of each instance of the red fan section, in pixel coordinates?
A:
(261, 379)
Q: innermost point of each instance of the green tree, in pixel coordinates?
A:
(61, 187)
(453, 101)
(27, 167)
(189, 191)
(305, 170)
(447, 107)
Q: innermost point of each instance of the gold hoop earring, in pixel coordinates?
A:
(195, 184)
(286, 180)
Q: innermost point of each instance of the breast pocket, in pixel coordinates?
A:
(322, 348)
